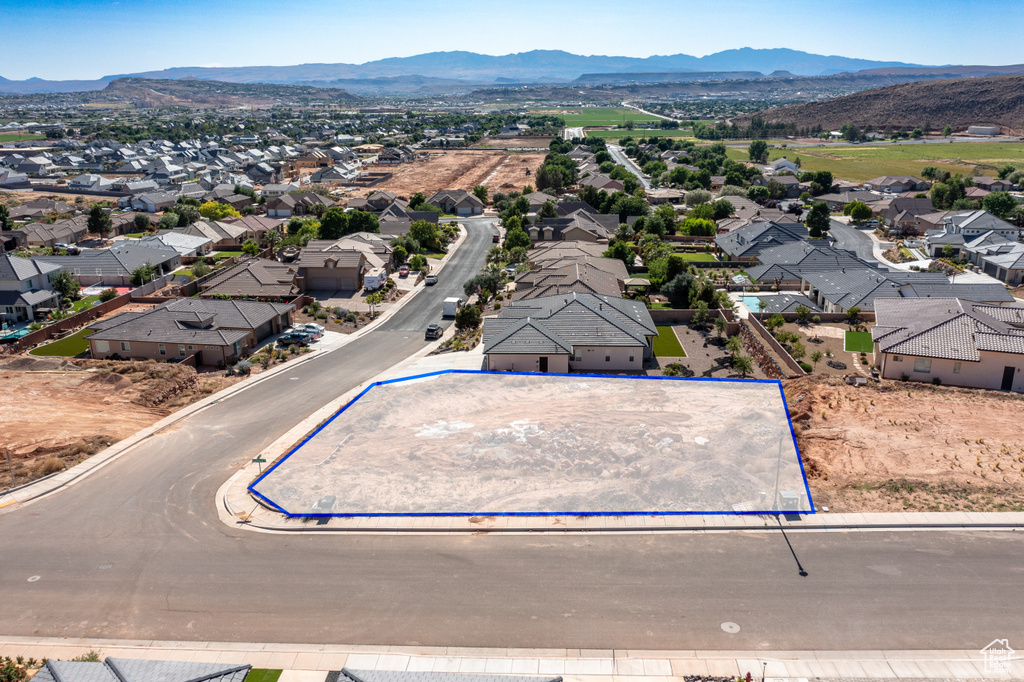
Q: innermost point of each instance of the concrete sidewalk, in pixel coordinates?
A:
(312, 662)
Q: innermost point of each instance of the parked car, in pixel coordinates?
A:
(434, 331)
(403, 271)
(312, 327)
(431, 280)
(495, 238)
(296, 338)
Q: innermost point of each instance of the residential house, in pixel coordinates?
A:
(896, 184)
(990, 184)
(258, 278)
(950, 341)
(325, 265)
(154, 201)
(790, 184)
(578, 277)
(223, 235)
(375, 201)
(271, 191)
(974, 223)
(538, 199)
(187, 245)
(572, 332)
(113, 267)
(90, 182)
(25, 286)
(296, 203)
(746, 243)
(139, 670)
(578, 226)
(783, 165)
(457, 202)
(217, 332)
(837, 201)
(258, 226)
(601, 181)
(666, 195)
(43, 235)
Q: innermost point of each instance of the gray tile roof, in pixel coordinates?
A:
(120, 259)
(948, 328)
(26, 298)
(787, 303)
(796, 258)
(17, 269)
(748, 241)
(197, 321)
(139, 670)
(571, 319)
(256, 277)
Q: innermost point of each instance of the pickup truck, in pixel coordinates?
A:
(403, 271)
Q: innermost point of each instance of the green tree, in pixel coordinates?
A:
(677, 290)
(481, 193)
(487, 284)
(621, 250)
(700, 315)
(818, 220)
(1006, 171)
(720, 325)
(374, 300)
(142, 274)
(758, 151)
(399, 254)
(5, 218)
(548, 210)
(734, 345)
(201, 269)
(363, 221)
(250, 247)
(743, 364)
(417, 262)
(214, 210)
(142, 222)
(774, 322)
(756, 192)
(802, 312)
(798, 350)
(467, 318)
(272, 238)
(66, 285)
(999, 204)
(168, 221)
(516, 237)
(947, 131)
(99, 221)
(334, 224)
(859, 211)
(852, 315)
(816, 357)
(948, 251)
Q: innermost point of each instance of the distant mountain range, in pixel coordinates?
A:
(437, 72)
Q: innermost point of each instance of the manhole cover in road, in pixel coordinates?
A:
(730, 627)
(34, 578)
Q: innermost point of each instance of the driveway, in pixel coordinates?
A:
(852, 239)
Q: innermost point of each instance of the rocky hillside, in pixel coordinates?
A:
(959, 102)
(194, 92)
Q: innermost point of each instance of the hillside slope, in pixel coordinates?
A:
(960, 102)
(145, 92)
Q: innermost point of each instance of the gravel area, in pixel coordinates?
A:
(702, 354)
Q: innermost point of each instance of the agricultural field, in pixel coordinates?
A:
(638, 133)
(18, 137)
(599, 116)
(858, 163)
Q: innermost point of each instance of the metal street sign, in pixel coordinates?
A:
(260, 462)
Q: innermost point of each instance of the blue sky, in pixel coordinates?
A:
(85, 39)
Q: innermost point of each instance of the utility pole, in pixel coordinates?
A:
(9, 466)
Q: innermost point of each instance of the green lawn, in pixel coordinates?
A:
(703, 257)
(136, 235)
(666, 344)
(859, 342)
(84, 303)
(221, 255)
(861, 162)
(638, 133)
(68, 347)
(18, 137)
(262, 675)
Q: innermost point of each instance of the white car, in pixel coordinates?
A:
(311, 327)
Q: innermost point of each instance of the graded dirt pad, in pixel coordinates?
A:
(905, 446)
(458, 170)
(516, 142)
(474, 443)
(57, 412)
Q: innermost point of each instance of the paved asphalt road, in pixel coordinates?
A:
(619, 155)
(137, 551)
(852, 239)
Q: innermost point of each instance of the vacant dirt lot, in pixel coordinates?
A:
(58, 412)
(518, 142)
(908, 446)
(500, 171)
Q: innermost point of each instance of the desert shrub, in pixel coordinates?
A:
(108, 294)
(50, 465)
(322, 315)
(806, 367)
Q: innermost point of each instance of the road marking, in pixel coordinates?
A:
(730, 627)
(105, 567)
(34, 578)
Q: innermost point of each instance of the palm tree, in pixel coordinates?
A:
(743, 364)
(734, 345)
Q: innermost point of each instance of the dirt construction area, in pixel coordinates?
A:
(905, 446)
(58, 412)
(499, 171)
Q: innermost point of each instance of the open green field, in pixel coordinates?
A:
(604, 116)
(18, 137)
(638, 133)
(68, 347)
(859, 342)
(666, 344)
(84, 303)
(858, 163)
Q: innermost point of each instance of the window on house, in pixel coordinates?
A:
(923, 365)
(181, 350)
(191, 347)
(607, 357)
(897, 358)
(211, 348)
(632, 355)
(125, 346)
(102, 347)
(956, 368)
(163, 349)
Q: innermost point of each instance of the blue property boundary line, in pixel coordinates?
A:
(251, 487)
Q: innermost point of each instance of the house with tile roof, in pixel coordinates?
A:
(184, 244)
(457, 202)
(952, 341)
(581, 332)
(339, 265)
(578, 277)
(217, 332)
(25, 285)
(257, 278)
(747, 242)
(895, 184)
(113, 267)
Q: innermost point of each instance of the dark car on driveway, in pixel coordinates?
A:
(296, 338)
(434, 331)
